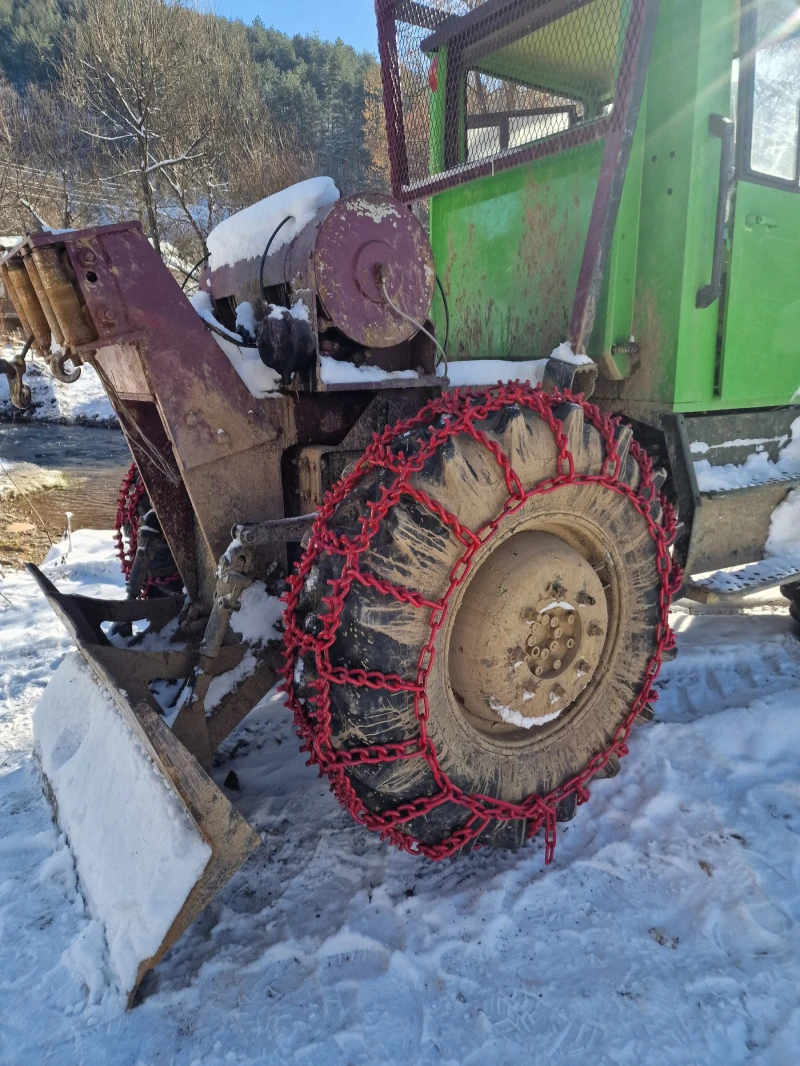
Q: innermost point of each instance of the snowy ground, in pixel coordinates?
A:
(667, 931)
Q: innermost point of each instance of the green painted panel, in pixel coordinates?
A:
(688, 80)
(698, 329)
(761, 350)
(436, 121)
(614, 324)
(508, 249)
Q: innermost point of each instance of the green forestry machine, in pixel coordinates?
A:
(477, 543)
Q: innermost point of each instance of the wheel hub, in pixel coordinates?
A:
(529, 634)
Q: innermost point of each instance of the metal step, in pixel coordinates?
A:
(743, 580)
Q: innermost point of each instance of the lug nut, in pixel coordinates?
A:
(545, 619)
(557, 664)
(531, 642)
(570, 644)
(545, 653)
(535, 653)
(557, 633)
(554, 622)
(571, 619)
(553, 645)
(538, 671)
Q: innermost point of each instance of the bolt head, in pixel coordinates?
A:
(556, 664)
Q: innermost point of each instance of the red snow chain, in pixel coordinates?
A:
(454, 414)
(131, 493)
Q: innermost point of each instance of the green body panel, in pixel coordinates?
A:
(436, 108)
(614, 324)
(508, 248)
(689, 80)
(761, 346)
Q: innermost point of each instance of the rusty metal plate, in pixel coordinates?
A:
(731, 528)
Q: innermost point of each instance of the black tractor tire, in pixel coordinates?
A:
(792, 594)
(473, 776)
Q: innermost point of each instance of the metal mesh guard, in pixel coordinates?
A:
(475, 86)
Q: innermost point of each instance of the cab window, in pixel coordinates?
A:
(772, 29)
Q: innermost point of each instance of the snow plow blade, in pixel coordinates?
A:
(152, 836)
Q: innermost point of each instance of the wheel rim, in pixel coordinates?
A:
(527, 637)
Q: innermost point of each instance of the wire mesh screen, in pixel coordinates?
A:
(474, 86)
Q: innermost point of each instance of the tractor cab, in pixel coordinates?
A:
(515, 119)
(590, 178)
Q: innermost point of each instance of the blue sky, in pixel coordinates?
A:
(352, 20)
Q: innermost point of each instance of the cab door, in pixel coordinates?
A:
(761, 338)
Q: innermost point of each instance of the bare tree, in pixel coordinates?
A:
(375, 132)
(23, 185)
(55, 146)
(7, 106)
(241, 155)
(171, 103)
(129, 72)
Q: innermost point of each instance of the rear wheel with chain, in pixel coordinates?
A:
(133, 510)
(479, 618)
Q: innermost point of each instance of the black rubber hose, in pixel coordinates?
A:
(446, 313)
(191, 272)
(227, 335)
(261, 286)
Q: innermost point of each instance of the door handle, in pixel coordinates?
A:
(760, 222)
(721, 127)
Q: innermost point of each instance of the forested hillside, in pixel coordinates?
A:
(150, 109)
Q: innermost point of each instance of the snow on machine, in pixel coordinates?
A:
(477, 562)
